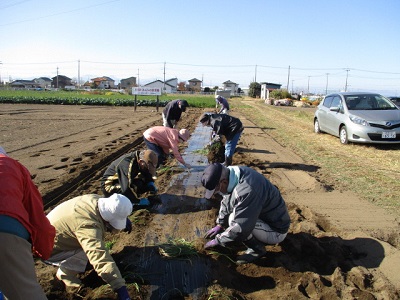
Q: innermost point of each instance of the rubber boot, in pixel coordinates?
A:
(72, 283)
(255, 250)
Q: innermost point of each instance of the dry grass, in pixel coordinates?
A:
(371, 171)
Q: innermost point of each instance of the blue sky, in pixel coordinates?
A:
(324, 42)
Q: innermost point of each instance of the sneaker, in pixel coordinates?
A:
(249, 256)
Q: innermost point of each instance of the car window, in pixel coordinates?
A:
(335, 102)
(368, 102)
(328, 101)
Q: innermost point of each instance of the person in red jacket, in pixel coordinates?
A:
(24, 230)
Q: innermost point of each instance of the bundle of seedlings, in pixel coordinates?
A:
(177, 248)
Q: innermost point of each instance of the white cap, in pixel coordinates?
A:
(115, 209)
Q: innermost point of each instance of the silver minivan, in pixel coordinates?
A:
(359, 118)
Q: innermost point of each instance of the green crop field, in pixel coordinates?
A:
(98, 98)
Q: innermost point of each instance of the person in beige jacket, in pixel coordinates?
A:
(81, 224)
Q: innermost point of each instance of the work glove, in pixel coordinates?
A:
(128, 226)
(152, 187)
(213, 232)
(144, 202)
(211, 244)
(123, 293)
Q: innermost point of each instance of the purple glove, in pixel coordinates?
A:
(213, 232)
(123, 293)
(211, 244)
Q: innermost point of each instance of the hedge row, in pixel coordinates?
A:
(80, 101)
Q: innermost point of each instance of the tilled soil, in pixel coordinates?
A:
(329, 252)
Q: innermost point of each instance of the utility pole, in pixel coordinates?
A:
(326, 88)
(138, 77)
(164, 78)
(308, 85)
(347, 75)
(288, 76)
(1, 82)
(57, 78)
(79, 74)
(255, 75)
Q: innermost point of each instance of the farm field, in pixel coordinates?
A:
(341, 244)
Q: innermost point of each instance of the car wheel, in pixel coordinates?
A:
(317, 129)
(343, 135)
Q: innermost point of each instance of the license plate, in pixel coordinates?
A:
(388, 135)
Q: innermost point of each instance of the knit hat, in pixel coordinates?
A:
(210, 179)
(151, 159)
(115, 209)
(184, 134)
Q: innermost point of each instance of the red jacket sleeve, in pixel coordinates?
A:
(42, 232)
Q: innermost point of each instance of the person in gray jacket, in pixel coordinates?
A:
(252, 210)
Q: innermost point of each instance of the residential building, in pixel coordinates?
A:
(24, 84)
(165, 87)
(230, 85)
(104, 82)
(267, 87)
(128, 83)
(173, 82)
(61, 81)
(195, 85)
(44, 82)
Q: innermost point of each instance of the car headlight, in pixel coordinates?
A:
(358, 120)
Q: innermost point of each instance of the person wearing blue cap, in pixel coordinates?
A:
(252, 210)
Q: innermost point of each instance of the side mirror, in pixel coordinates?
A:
(335, 108)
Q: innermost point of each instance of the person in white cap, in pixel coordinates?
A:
(162, 140)
(132, 175)
(221, 101)
(81, 224)
(252, 210)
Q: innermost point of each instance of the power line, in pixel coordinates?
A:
(57, 14)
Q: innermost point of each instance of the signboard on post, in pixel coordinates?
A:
(146, 91)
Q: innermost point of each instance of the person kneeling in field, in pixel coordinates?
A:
(81, 224)
(132, 175)
(252, 210)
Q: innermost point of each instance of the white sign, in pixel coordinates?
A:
(146, 91)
